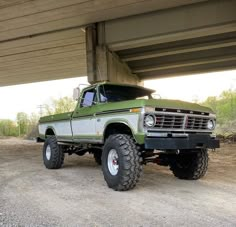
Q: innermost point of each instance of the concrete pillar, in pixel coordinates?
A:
(102, 64)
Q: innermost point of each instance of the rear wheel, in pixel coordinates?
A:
(97, 154)
(53, 155)
(190, 166)
(121, 162)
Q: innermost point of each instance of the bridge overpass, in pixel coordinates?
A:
(124, 41)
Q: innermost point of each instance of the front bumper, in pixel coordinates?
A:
(193, 141)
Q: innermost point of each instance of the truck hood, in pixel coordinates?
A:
(157, 103)
(177, 104)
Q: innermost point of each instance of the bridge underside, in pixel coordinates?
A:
(186, 40)
(127, 42)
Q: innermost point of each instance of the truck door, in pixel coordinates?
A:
(83, 119)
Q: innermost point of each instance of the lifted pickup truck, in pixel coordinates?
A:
(124, 128)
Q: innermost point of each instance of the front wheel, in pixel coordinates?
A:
(190, 166)
(121, 162)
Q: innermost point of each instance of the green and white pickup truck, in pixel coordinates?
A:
(125, 128)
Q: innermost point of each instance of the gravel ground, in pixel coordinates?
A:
(77, 195)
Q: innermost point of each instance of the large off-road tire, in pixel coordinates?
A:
(97, 154)
(53, 155)
(121, 162)
(190, 166)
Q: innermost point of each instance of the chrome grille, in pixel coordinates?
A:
(196, 122)
(179, 122)
(169, 121)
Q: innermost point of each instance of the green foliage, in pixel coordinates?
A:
(8, 128)
(61, 105)
(225, 109)
(22, 121)
(32, 128)
(23, 126)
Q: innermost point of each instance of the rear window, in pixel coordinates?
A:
(114, 93)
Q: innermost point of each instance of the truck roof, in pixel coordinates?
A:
(119, 84)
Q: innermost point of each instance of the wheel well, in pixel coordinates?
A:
(49, 132)
(117, 128)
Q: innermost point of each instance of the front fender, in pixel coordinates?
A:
(139, 137)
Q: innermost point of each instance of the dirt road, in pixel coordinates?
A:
(77, 195)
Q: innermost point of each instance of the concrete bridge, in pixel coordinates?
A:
(121, 41)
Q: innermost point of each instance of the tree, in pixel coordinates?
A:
(33, 126)
(61, 105)
(8, 128)
(211, 102)
(23, 122)
(225, 108)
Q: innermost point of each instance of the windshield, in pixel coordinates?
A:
(116, 93)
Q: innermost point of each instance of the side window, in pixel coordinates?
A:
(88, 99)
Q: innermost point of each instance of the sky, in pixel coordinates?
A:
(26, 98)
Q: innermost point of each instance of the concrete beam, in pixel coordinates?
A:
(189, 70)
(179, 50)
(27, 18)
(181, 23)
(185, 63)
(103, 65)
(54, 55)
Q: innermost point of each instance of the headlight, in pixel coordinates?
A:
(149, 121)
(211, 124)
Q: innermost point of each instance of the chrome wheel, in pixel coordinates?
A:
(112, 162)
(48, 152)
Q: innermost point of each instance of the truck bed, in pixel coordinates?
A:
(56, 117)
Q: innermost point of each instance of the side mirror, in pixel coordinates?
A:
(76, 93)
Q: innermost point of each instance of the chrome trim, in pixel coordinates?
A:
(183, 127)
(180, 130)
(61, 139)
(212, 115)
(157, 134)
(180, 114)
(176, 135)
(154, 117)
(185, 121)
(141, 127)
(88, 140)
(163, 134)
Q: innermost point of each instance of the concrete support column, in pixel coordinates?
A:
(102, 64)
